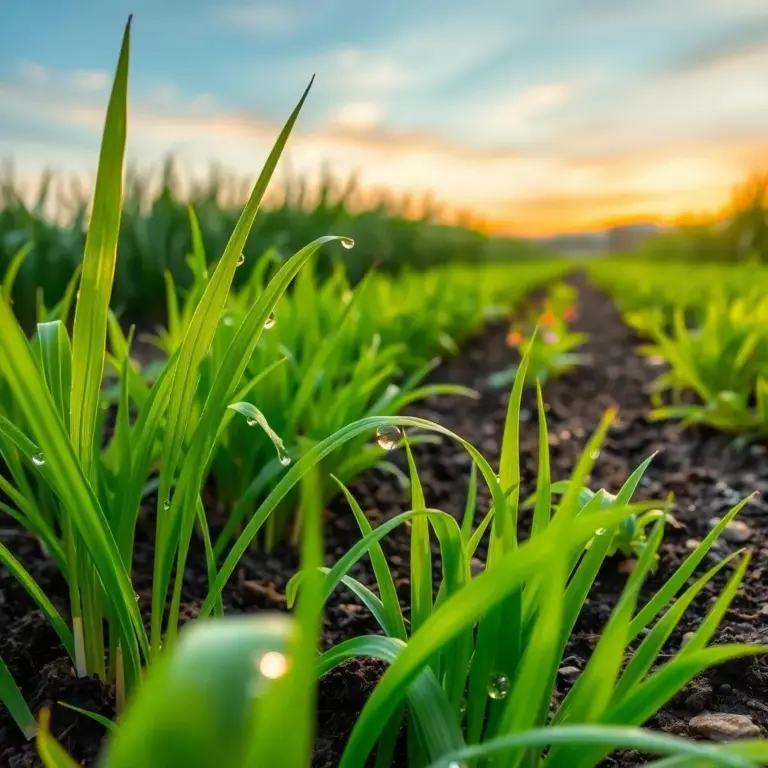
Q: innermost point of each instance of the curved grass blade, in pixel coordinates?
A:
(51, 752)
(18, 571)
(12, 698)
(429, 706)
(612, 738)
(315, 455)
(484, 593)
(384, 580)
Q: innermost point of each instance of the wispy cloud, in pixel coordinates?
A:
(261, 18)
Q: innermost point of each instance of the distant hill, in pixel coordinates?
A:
(619, 239)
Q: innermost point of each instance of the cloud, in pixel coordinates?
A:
(264, 19)
(74, 82)
(514, 191)
(357, 116)
(744, 39)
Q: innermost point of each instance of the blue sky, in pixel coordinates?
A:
(540, 116)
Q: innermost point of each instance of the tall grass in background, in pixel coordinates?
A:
(739, 233)
(706, 329)
(155, 236)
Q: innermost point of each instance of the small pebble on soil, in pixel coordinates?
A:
(723, 727)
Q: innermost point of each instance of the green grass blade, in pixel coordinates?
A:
(384, 580)
(656, 604)
(543, 505)
(18, 571)
(254, 416)
(293, 695)
(646, 654)
(316, 454)
(90, 327)
(12, 698)
(213, 676)
(432, 713)
(110, 725)
(56, 358)
(481, 595)
(12, 270)
(420, 552)
(716, 614)
(202, 327)
(470, 508)
(611, 738)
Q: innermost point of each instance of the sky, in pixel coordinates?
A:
(538, 116)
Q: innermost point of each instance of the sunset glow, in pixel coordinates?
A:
(562, 117)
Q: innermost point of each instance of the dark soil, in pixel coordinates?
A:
(706, 471)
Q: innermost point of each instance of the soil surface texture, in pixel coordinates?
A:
(707, 472)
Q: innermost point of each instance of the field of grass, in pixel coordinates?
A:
(182, 404)
(49, 225)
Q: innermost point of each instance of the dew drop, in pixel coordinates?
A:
(498, 686)
(38, 459)
(454, 764)
(241, 259)
(346, 297)
(463, 707)
(270, 321)
(272, 664)
(348, 243)
(594, 454)
(167, 504)
(228, 320)
(388, 437)
(284, 459)
(251, 421)
(599, 531)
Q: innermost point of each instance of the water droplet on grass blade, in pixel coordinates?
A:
(284, 459)
(348, 243)
(251, 421)
(594, 454)
(38, 459)
(599, 531)
(498, 686)
(272, 664)
(270, 321)
(388, 437)
(167, 504)
(241, 259)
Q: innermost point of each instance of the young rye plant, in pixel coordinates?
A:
(488, 648)
(334, 353)
(82, 501)
(476, 664)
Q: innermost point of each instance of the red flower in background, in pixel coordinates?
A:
(514, 338)
(569, 313)
(548, 318)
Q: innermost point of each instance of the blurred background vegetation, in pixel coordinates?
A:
(738, 233)
(155, 234)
